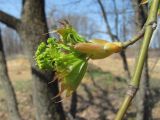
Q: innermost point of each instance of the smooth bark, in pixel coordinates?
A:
(142, 98)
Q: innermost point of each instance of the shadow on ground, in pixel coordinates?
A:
(99, 98)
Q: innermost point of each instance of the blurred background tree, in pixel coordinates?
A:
(102, 90)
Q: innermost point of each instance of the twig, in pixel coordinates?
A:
(134, 39)
(139, 35)
(113, 36)
(104, 13)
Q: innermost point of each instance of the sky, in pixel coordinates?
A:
(89, 8)
(14, 7)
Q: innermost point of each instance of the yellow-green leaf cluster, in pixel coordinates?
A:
(58, 55)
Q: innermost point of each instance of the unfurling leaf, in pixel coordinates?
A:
(73, 79)
(68, 56)
(59, 55)
(99, 49)
(143, 2)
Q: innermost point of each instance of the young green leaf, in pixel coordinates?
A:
(60, 56)
(69, 56)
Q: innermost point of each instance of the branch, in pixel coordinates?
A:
(140, 34)
(116, 16)
(134, 39)
(134, 84)
(9, 20)
(106, 20)
(72, 3)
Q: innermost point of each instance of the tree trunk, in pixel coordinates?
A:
(30, 28)
(7, 86)
(142, 97)
(73, 107)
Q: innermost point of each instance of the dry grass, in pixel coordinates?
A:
(114, 65)
(19, 68)
(95, 100)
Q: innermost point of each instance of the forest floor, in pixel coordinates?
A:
(99, 95)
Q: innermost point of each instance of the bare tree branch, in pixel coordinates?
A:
(135, 38)
(114, 37)
(116, 16)
(73, 2)
(104, 13)
(9, 20)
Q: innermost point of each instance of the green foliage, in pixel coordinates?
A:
(70, 36)
(60, 56)
(54, 55)
(69, 54)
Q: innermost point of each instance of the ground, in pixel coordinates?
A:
(99, 95)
